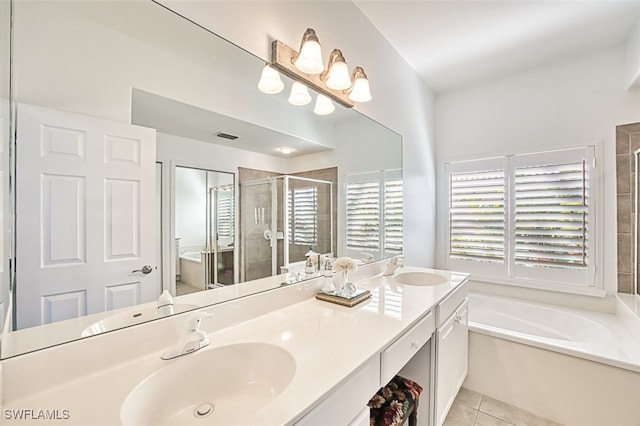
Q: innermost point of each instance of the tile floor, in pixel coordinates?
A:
(474, 409)
(184, 288)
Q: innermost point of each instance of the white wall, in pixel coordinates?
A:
(401, 100)
(191, 207)
(122, 55)
(632, 71)
(573, 103)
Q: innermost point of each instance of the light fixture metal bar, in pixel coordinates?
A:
(282, 59)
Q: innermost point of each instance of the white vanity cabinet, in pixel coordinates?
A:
(347, 404)
(451, 351)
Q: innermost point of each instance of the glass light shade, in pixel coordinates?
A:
(299, 94)
(324, 105)
(309, 60)
(360, 91)
(338, 78)
(270, 81)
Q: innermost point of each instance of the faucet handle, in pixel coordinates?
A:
(194, 321)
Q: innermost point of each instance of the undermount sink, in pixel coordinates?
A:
(131, 317)
(420, 278)
(213, 386)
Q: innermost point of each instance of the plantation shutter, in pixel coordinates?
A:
(374, 213)
(477, 215)
(552, 223)
(225, 213)
(303, 215)
(528, 218)
(363, 214)
(393, 216)
(551, 215)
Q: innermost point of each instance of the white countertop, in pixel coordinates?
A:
(327, 341)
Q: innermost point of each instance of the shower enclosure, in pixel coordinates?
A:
(282, 217)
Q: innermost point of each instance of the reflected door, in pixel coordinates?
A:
(85, 215)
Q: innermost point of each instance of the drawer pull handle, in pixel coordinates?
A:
(458, 319)
(415, 344)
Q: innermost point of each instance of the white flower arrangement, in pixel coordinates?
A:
(344, 264)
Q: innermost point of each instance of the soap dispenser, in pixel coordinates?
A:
(308, 266)
(165, 304)
(328, 286)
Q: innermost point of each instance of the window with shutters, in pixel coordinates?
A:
(225, 213)
(303, 215)
(526, 218)
(374, 214)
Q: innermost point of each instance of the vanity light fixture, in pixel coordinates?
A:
(309, 60)
(324, 105)
(336, 76)
(360, 90)
(270, 81)
(335, 83)
(299, 94)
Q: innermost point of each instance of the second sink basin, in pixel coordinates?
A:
(213, 386)
(420, 278)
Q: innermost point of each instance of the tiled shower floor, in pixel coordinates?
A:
(474, 409)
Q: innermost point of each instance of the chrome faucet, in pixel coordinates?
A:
(192, 340)
(393, 265)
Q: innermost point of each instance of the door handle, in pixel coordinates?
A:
(146, 269)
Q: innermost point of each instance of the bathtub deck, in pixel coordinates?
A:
(620, 348)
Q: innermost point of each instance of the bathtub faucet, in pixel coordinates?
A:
(393, 265)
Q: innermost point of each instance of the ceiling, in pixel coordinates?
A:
(455, 43)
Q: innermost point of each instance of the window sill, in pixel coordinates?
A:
(543, 285)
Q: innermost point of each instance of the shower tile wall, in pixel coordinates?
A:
(627, 142)
(257, 251)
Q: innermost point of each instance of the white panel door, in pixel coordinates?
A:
(86, 215)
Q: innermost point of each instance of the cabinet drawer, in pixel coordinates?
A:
(402, 350)
(345, 403)
(450, 304)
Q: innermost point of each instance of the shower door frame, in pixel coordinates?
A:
(273, 181)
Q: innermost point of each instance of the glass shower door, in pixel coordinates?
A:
(257, 204)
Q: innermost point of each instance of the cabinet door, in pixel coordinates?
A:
(452, 353)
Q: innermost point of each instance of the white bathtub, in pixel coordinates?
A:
(192, 268)
(592, 335)
(573, 366)
(192, 256)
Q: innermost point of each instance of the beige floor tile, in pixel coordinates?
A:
(469, 398)
(511, 414)
(503, 411)
(486, 420)
(460, 415)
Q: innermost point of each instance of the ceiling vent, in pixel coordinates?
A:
(226, 136)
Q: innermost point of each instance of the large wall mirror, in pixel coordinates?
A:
(129, 180)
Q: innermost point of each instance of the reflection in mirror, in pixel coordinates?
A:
(284, 218)
(204, 229)
(125, 116)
